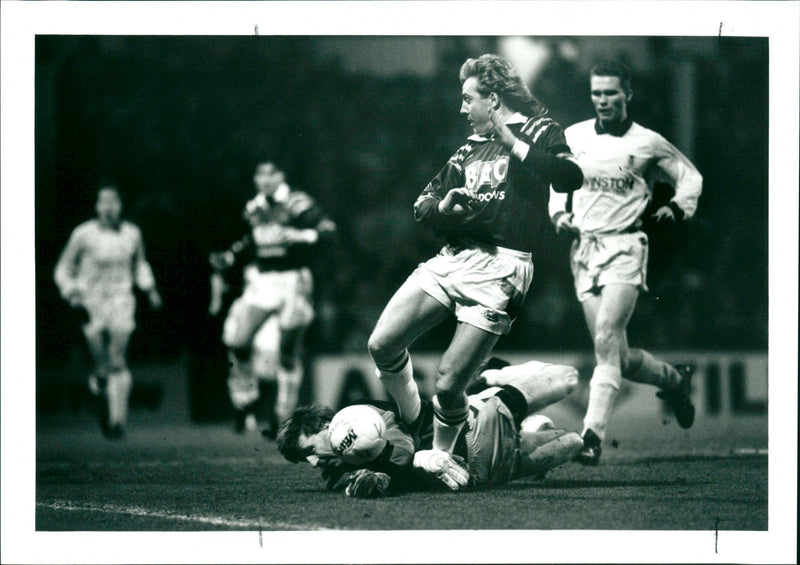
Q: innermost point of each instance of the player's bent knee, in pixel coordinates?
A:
(569, 377)
(380, 349)
(117, 366)
(235, 339)
(93, 331)
(606, 343)
(121, 330)
(448, 392)
(568, 380)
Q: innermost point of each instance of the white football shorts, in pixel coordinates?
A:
(112, 312)
(598, 260)
(483, 286)
(288, 294)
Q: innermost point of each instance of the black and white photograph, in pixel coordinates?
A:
(399, 282)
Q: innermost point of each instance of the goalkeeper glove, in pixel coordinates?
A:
(364, 483)
(448, 468)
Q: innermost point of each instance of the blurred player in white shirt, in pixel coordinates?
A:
(96, 271)
(621, 161)
(265, 327)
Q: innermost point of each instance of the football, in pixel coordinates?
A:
(356, 434)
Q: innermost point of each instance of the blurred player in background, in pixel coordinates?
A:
(621, 161)
(103, 259)
(265, 326)
(501, 441)
(490, 201)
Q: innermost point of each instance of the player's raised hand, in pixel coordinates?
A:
(448, 468)
(458, 201)
(500, 130)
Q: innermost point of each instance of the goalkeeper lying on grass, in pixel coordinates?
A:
(367, 451)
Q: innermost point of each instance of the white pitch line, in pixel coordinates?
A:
(258, 525)
(163, 463)
(749, 451)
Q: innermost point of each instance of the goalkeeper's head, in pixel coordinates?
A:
(300, 436)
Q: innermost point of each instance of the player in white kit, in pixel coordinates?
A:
(621, 161)
(96, 271)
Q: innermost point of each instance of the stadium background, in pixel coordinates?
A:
(362, 123)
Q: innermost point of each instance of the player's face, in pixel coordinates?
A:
(108, 206)
(475, 107)
(268, 178)
(609, 99)
(318, 447)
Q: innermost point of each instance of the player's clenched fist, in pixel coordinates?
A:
(457, 201)
(450, 469)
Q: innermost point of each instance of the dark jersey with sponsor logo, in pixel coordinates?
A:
(512, 204)
(266, 245)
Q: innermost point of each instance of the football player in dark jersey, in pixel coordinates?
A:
(490, 201)
(264, 327)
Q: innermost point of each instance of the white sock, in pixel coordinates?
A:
(242, 384)
(403, 389)
(288, 391)
(118, 390)
(603, 390)
(447, 424)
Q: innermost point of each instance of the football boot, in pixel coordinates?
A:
(680, 398)
(590, 453)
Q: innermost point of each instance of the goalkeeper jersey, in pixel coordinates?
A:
(511, 207)
(488, 442)
(619, 171)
